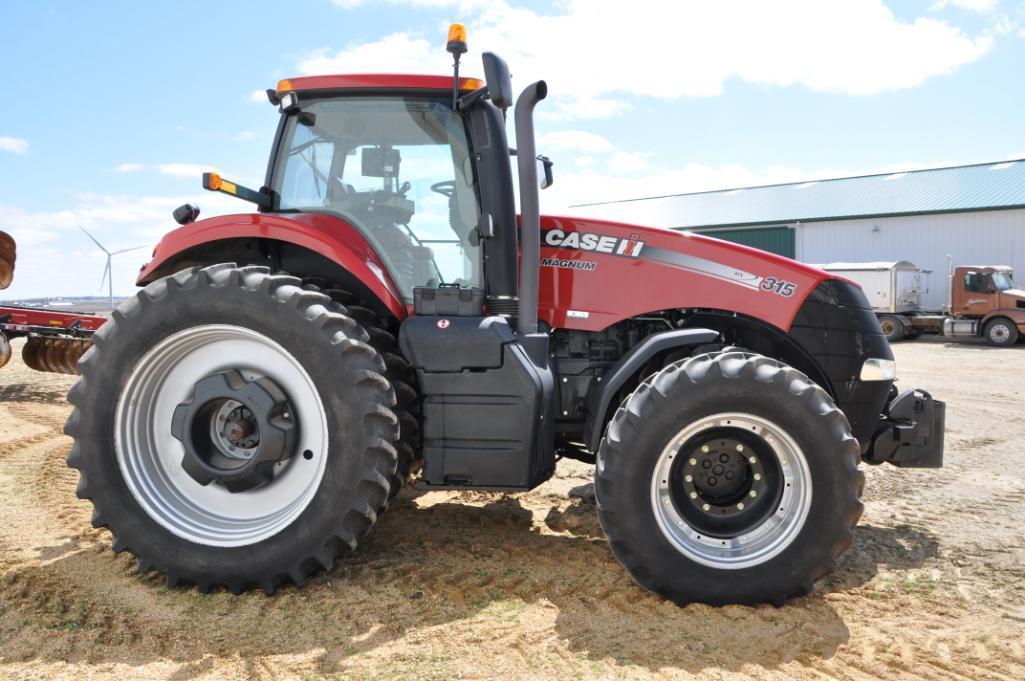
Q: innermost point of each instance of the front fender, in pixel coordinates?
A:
(326, 235)
(600, 398)
(1016, 315)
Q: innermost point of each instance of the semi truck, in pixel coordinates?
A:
(982, 300)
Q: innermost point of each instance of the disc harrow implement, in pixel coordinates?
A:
(55, 340)
(57, 355)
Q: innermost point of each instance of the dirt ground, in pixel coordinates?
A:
(474, 585)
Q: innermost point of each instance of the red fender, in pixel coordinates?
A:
(327, 235)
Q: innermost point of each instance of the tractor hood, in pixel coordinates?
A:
(595, 273)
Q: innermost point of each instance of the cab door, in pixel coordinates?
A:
(977, 296)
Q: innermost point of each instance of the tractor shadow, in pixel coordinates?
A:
(482, 558)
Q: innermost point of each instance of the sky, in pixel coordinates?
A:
(113, 109)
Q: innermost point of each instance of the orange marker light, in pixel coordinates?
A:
(212, 181)
(284, 86)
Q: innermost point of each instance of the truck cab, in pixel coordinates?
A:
(984, 301)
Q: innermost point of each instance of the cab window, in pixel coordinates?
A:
(396, 168)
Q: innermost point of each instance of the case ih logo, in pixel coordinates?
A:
(598, 243)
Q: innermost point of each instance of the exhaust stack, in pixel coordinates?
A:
(530, 208)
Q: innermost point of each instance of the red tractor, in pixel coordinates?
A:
(385, 315)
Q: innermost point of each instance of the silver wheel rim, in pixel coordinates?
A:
(759, 544)
(999, 333)
(150, 457)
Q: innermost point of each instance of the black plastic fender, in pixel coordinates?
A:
(607, 387)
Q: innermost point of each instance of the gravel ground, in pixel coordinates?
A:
(475, 585)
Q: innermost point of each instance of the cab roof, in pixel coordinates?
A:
(389, 81)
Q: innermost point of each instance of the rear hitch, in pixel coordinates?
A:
(910, 432)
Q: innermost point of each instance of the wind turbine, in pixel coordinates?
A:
(108, 273)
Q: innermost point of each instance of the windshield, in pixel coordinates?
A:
(1002, 281)
(399, 170)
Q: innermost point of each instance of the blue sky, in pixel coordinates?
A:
(113, 108)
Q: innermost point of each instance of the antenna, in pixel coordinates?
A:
(108, 272)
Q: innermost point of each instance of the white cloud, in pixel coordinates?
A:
(55, 258)
(190, 170)
(245, 136)
(982, 6)
(595, 52)
(15, 145)
(258, 96)
(130, 168)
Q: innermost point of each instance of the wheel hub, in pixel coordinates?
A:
(234, 431)
(725, 482)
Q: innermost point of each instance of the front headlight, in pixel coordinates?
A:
(878, 370)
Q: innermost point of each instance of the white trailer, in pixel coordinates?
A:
(891, 287)
(895, 290)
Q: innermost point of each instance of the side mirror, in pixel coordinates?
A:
(499, 83)
(186, 213)
(544, 172)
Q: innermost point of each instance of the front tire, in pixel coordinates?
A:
(1001, 332)
(728, 478)
(309, 504)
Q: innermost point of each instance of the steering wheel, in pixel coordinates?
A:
(446, 188)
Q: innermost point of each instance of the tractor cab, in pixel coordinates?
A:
(393, 160)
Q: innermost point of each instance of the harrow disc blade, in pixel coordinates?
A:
(30, 353)
(6, 273)
(5, 350)
(52, 355)
(7, 257)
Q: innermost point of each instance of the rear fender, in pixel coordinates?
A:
(314, 244)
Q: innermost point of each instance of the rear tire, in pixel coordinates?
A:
(892, 326)
(322, 498)
(691, 539)
(398, 372)
(1001, 332)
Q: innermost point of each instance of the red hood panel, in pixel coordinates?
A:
(595, 273)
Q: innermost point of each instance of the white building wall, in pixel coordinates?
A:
(975, 238)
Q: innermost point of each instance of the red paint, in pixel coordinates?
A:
(52, 319)
(328, 235)
(380, 80)
(621, 287)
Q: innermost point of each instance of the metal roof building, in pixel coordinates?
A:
(973, 213)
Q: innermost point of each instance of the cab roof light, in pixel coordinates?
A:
(456, 39)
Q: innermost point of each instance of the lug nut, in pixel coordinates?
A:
(689, 478)
(758, 476)
(752, 459)
(704, 449)
(705, 507)
(740, 506)
(693, 495)
(693, 462)
(740, 448)
(752, 494)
